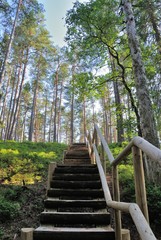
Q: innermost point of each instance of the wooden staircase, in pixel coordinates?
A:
(75, 208)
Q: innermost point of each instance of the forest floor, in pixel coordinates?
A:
(31, 209)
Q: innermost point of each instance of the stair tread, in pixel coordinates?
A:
(73, 229)
(75, 181)
(74, 166)
(68, 200)
(75, 213)
(76, 176)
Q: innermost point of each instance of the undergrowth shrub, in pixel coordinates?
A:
(126, 180)
(27, 161)
(1, 233)
(127, 191)
(8, 209)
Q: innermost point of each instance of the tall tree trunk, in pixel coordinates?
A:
(51, 118)
(119, 117)
(55, 105)
(17, 106)
(33, 111)
(153, 20)
(146, 113)
(84, 119)
(14, 104)
(10, 43)
(10, 106)
(59, 113)
(45, 116)
(4, 108)
(72, 108)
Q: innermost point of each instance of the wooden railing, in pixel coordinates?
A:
(138, 210)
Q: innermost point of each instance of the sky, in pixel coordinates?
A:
(55, 11)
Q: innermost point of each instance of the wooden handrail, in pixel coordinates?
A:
(138, 212)
(150, 150)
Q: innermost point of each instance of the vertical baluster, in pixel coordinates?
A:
(116, 197)
(140, 189)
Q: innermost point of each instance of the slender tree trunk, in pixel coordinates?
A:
(72, 108)
(146, 113)
(17, 106)
(55, 106)
(3, 111)
(10, 107)
(33, 111)
(153, 20)
(9, 44)
(45, 117)
(119, 117)
(14, 104)
(59, 113)
(24, 126)
(84, 119)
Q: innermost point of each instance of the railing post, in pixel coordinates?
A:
(103, 159)
(116, 196)
(27, 233)
(51, 169)
(140, 189)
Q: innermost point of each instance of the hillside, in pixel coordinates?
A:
(23, 174)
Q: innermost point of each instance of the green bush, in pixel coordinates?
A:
(126, 179)
(8, 210)
(27, 161)
(1, 233)
(127, 190)
(154, 203)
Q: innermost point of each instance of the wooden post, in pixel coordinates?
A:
(140, 189)
(27, 233)
(64, 155)
(125, 234)
(116, 196)
(51, 169)
(103, 159)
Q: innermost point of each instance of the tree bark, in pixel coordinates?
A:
(34, 103)
(153, 20)
(59, 113)
(16, 110)
(55, 105)
(84, 119)
(72, 108)
(10, 43)
(119, 117)
(148, 125)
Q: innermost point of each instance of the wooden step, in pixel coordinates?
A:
(76, 169)
(50, 233)
(77, 161)
(77, 193)
(95, 204)
(76, 176)
(75, 218)
(77, 154)
(76, 184)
